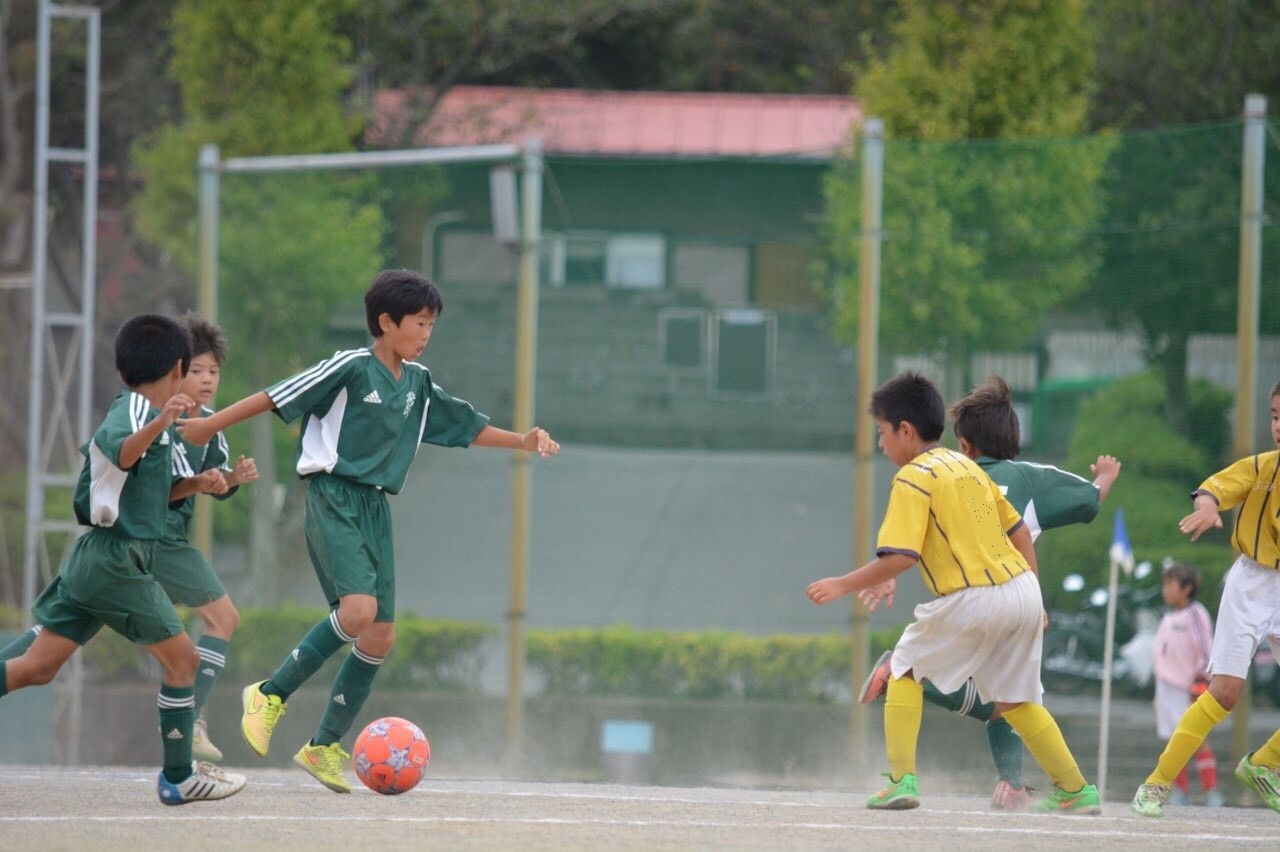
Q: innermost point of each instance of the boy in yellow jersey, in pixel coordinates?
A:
(976, 555)
(1248, 614)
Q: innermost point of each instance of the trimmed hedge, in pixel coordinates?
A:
(620, 660)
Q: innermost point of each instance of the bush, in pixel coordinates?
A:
(621, 660)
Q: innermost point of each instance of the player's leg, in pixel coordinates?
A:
(1260, 771)
(182, 780)
(903, 708)
(220, 621)
(1043, 738)
(1207, 769)
(324, 756)
(38, 664)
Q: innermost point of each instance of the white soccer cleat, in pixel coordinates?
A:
(207, 782)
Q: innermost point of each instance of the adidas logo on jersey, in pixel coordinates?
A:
(373, 398)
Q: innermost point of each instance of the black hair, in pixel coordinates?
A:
(147, 347)
(1187, 576)
(397, 293)
(205, 336)
(1275, 391)
(911, 398)
(986, 419)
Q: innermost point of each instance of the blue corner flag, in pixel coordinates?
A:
(1121, 552)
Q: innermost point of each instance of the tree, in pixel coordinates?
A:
(260, 79)
(981, 237)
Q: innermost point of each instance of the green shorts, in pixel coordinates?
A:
(349, 539)
(107, 580)
(187, 577)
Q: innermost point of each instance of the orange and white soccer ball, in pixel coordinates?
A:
(391, 755)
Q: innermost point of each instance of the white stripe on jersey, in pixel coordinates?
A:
(319, 447)
(291, 389)
(1047, 467)
(138, 407)
(181, 464)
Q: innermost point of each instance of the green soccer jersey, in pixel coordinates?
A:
(1044, 495)
(191, 460)
(132, 502)
(363, 424)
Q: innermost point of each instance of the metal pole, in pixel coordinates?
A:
(1108, 663)
(523, 419)
(35, 391)
(1253, 169)
(207, 303)
(865, 444)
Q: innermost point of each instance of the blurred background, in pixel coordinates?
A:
(1062, 205)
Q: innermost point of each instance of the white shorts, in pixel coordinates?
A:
(1171, 702)
(1248, 615)
(990, 633)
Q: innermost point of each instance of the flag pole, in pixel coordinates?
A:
(1121, 557)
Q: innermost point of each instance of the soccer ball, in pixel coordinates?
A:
(390, 755)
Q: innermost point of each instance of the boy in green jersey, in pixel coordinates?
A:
(123, 496)
(364, 414)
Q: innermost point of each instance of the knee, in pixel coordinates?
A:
(181, 669)
(41, 673)
(223, 621)
(1226, 690)
(355, 616)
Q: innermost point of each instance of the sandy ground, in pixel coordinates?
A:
(116, 807)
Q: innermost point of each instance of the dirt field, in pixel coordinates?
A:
(116, 808)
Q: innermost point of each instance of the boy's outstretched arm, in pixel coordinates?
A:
(874, 573)
(536, 440)
(1105, 471)
(1204, 517)
(200, 430)
(206, 482)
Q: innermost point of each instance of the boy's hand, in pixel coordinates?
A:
(876, 595)
(195, 431)
(1105, 466)
(539, 441)
(246, 470)
(1205, 517)
(176, 406)
(826, 590)
(211, 482)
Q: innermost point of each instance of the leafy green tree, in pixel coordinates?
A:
(260, 79)
(981, 237)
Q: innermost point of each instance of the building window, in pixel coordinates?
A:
(625, 261)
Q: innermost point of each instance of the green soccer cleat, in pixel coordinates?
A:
(1149, 800)
(897, 795)
(1261, 779)
(324, 763)
(1082, 801)
(261, 713)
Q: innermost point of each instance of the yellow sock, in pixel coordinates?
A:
(1193, 727)
(903, 707)
(1042, 737)
(1269, 754)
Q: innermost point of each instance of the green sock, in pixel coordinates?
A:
(213, 658)
(350, 689)
(19, 646)
(4, 675)
(177, 715)
(320, 643)
(1006, 751)
(964, 700)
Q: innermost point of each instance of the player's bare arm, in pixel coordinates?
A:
(1021, 539)
(1105, 472)
(1204, 517)
(875, 573)
(536, 440)
(136, 444)
(200, 430)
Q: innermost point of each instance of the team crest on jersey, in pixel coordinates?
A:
(408, 403)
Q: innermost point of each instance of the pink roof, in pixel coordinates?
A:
(572, 121)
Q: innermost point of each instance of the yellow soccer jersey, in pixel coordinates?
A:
(1250, 484)
(946, 512)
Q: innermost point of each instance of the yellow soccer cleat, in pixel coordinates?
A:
(261, 713)
(324, 763)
